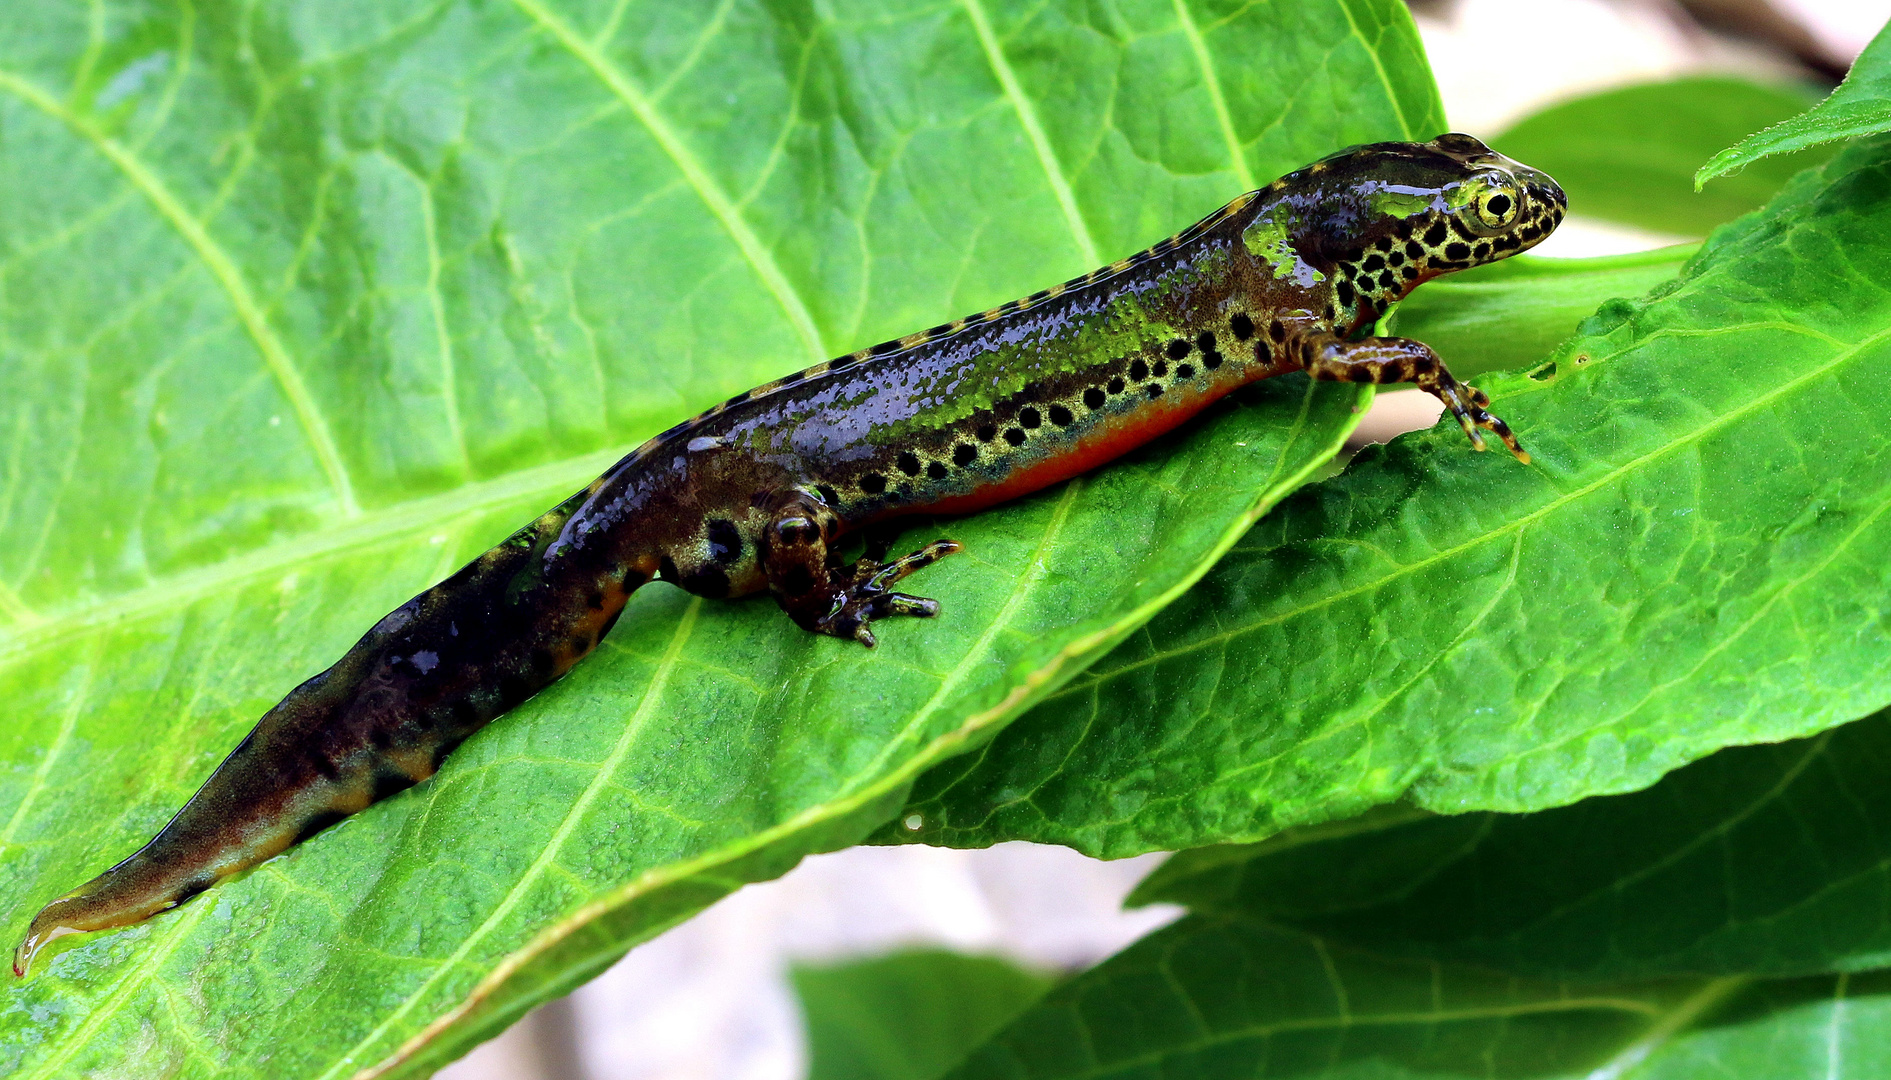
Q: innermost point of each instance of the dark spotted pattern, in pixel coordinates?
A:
(752, 495)
(725, 540)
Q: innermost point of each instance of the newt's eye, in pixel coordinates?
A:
(1494, 209)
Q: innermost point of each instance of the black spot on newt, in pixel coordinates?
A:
(465, 713)
(496, 632)
(725, 545)
(707, 581)
(390, 781)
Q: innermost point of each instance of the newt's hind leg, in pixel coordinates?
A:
(1395, 360)
(833, 600)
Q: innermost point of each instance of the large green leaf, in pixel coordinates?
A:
(1215, 997)
(1628, 154)
(1511, 314)
(907, 1016)
(1406, 945)
(1761, 860)
(304, 304)
(1700, 556)
(1861, 105)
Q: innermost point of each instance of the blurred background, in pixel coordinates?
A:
(730, 994)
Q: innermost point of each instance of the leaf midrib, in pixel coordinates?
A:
(371, 528)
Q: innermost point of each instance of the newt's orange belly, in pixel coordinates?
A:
(1107, 442)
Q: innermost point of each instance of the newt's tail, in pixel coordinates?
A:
(265, 797)
(437, 669)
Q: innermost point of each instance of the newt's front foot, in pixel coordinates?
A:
(1471, 406)
(829, 599)
(1385, 360)
(868, 596)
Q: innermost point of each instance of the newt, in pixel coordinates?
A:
(754, 494)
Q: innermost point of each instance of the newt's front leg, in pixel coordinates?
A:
(826, 598)
(1395, 360)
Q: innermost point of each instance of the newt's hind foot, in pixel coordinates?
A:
(868, 597)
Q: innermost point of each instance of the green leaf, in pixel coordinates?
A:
(1758, 860)
(1513, 313)
(303, 305)
(1819, 1028)
(1212, 997)
(1699, 557)
(1861, 105)
(1629, 154)
(1405, 945)
(908, 1016)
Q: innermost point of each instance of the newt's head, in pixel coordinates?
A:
(1365, 226)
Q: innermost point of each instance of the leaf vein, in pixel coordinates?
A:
(1206, 61)
(653, 691)
(371, 528)
(223, 270)
(1627, 468)
(1034, 131)
(759, 258)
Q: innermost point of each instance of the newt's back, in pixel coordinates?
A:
(753, 494)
